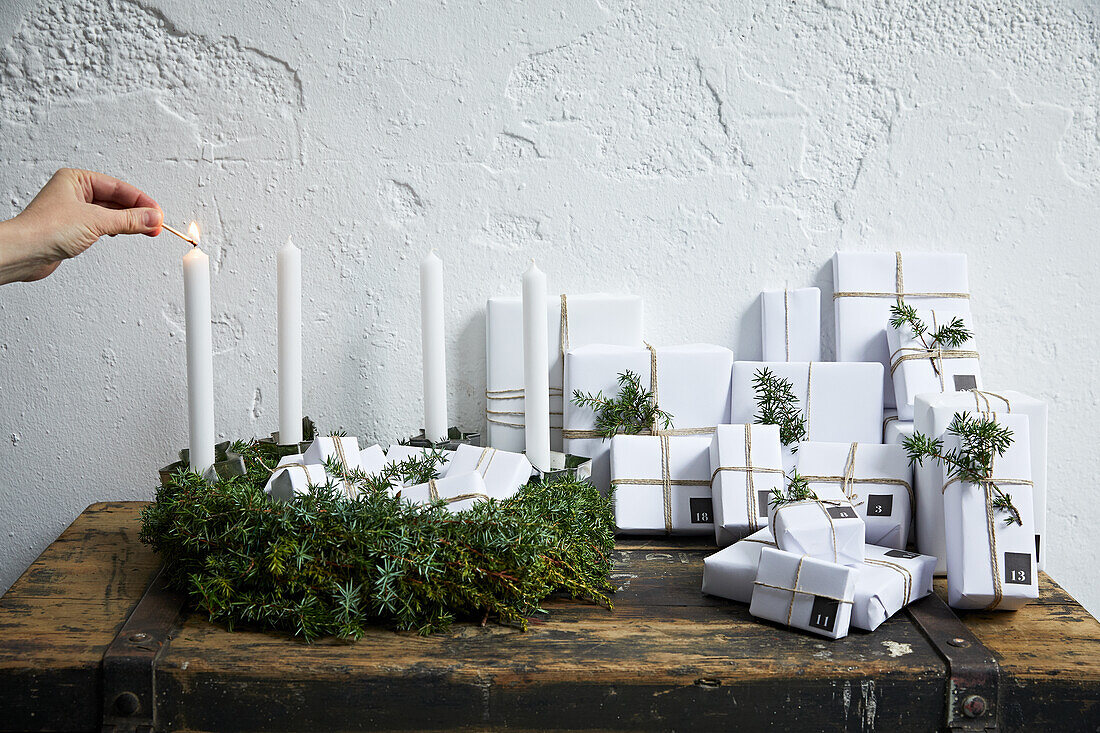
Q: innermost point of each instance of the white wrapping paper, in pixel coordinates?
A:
(827, 529)
(804, 593)
(458, 492)
(791, 324)
(991, 564)
(844, 399)
(866, 284)
(293, 478)
(693, 385)
(877, 479)
(933, 413)
(343, 449)
(746, 466)
(730, 572)
(911, 364)
(888, 580)
(573, 321)
(504, 472)
(662, 484)
(895, 431)
(372, 459)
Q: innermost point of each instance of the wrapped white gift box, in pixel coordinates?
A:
(746, 466)
(504, 472)
(458, 492)
(916, 369)
(895, 431)
(293, 478)
(933, 413)
(692, 384)
(344, 450)
(804, 593)
(372, 459)
(826, 528)
(662, 484)
(990, 563)
(790, 323)
(866, 284)
(875, 478)
(730, 572)
(842, 402)
(572, 321)
(889, 580)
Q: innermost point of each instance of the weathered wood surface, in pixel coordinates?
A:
(667, 658)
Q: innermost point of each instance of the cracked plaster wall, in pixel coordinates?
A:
(692, 152)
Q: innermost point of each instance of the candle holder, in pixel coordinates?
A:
(565, 467)
(273, 447)
(455, 438)
(226, 464)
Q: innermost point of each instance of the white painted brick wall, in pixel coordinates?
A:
(692, 152)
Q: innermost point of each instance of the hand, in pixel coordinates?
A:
(72, 211)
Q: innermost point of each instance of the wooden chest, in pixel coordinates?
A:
(667, 658)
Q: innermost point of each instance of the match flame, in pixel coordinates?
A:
(193, 232)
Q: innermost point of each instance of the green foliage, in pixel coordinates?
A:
(324, 565)
(777, 405)
(950, 336)
(632, 412)
(798, 489)
(981, 439)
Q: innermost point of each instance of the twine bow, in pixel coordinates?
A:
(987, 483)
(899, 289)
(795, 590)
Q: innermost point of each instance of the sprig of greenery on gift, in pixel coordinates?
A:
(777, 404)
(325, 565)
(633, 411)
(950, 335)
(981, 440)
(797, 489)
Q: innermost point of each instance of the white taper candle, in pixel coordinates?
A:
(289, 260)
(536, 374)
(200, 357)
(433, 346)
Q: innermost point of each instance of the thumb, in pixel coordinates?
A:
(130, 221)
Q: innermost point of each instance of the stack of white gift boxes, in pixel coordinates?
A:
(874, 529)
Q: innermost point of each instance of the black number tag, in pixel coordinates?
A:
(880, 505)
(1037, 555)
(904, 555)
(762, 501)
(702, 511)
(965, 382)
(1018, 568)
(823, 614)
(841, 512)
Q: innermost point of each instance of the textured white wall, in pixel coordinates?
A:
(692, 152)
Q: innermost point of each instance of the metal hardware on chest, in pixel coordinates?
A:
(973, 675)
(129, 664)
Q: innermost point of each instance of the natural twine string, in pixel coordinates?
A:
(899, 285)
(433, 495)
(906, 575)
(796, 590)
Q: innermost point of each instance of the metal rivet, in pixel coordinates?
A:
(139, 636)
(958, 641)
(974, 706)
(708, 682)
(127, 703)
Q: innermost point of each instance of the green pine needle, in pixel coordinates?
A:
(981, 440)
(949, 336)
(797, 489)
(322, 565)
(777, 404)
(633, 411)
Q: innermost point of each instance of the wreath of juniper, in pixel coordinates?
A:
(324, 565)
(951, 335)
(981, 439)
(633, 411)
(777, 404)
